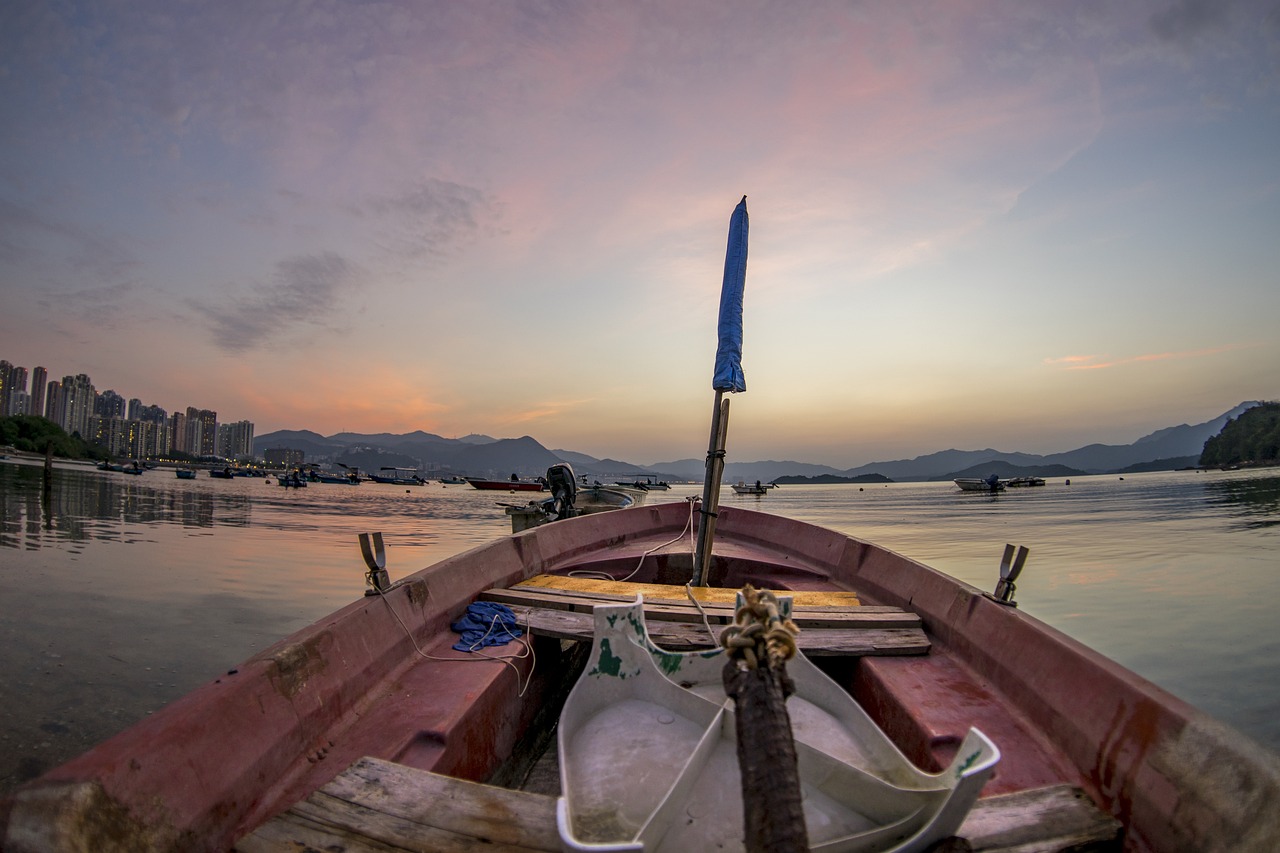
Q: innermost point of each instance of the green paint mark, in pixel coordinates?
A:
(967, 763)
(608, 663)
(669, 663)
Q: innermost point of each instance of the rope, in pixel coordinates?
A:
(526, 648)
(759, 632)
(688, 526)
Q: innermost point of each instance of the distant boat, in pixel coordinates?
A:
(514, 485)
(453, 481)
(398, 476)
(293, 479)
(221, 473)
(747, 489)
(1018, 482)
(350, 478)
(980, 484)
(186, 473)
(648, 484)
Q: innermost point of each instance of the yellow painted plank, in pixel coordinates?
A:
(707, 595)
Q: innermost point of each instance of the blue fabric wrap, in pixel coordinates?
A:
(486, 623)
(728, 374)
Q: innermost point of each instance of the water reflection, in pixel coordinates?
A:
(1255, 501)
(82, 505)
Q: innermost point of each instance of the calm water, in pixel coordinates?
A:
(121, 593)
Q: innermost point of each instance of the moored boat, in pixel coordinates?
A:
(582, 499)
(185, 473)
(1023, 482)
(515, 484)
(287, 721)
(980, 484)
(398, 476)
(758, 488)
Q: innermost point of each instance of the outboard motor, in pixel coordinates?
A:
(564, 488)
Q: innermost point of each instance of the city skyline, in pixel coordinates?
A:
(1025, 225)
(125, 426)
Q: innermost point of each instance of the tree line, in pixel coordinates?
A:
(1251, 439)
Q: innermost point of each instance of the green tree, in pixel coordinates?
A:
(1251, 439)
(32, 433)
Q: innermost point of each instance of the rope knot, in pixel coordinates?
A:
(759, 633)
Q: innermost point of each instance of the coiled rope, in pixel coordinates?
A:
(759, 631)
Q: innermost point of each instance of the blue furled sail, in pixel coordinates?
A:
(728, 375)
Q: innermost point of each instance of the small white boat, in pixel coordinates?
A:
(648, 757)
(759, 488)
(980, 484)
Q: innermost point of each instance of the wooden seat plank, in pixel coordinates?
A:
(377, 806)
(822, 616)
(687, 636)
(672, 592)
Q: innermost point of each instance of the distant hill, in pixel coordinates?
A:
(1005, 470)
(482, 455)
(826, 479)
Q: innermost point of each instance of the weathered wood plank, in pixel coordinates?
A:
(380, 807)
(717, 614)
(683, 636)
(1043, 820)
(627, 590)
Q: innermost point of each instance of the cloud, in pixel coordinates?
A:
(429, 220)
(26, 236)
(1099, 362)
(302, 290)
(1184, 20)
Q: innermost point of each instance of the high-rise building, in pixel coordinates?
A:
(208, 433)
(109, 404)
(6, 386)
(15, 391)
(178, 438)
(235, 440)
(55, 402)
(39, 378)
(79, 397)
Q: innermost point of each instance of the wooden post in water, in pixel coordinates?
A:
(46, 491)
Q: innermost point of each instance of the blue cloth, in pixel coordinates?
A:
(728, 374)
(486, 623)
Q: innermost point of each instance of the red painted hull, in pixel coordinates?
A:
(206, 769)
(506, 485)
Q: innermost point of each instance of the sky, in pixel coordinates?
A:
(1021, 225)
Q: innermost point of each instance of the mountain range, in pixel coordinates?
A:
(481, 455)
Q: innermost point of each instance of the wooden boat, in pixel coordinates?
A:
(1085, 744)
(370, 729)
(516, 485)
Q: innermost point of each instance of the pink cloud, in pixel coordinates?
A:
(1096, 362)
